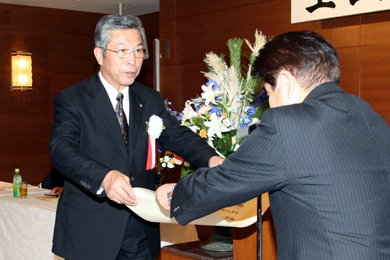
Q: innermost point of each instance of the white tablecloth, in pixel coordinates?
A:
(26, 226)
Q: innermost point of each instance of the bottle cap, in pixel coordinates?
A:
(16, 169)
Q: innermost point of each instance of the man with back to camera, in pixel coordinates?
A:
(102, 159)
(322, 154)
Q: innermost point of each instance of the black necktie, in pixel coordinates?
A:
(120, 114)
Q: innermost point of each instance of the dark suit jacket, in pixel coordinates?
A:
(326, 164)
(86, 143)
(53, 179)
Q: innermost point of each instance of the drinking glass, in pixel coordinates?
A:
(23, 190)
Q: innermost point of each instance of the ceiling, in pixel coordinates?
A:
(133, 7)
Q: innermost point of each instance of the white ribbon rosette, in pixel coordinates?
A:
(154, 128)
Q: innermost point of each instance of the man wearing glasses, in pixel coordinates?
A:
(99, 141)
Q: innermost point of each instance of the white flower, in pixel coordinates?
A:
(209, 94)
(170, 161)
(188, 111)
(155, 126)
(260, 41)
(216, 126)
(219, 67)
(167, 162)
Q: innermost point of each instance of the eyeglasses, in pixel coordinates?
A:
(125, 53)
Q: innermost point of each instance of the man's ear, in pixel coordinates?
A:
(295, 92)
(98, 52)
(288, 81)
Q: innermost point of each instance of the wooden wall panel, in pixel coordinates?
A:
(348, 36)
(350, 69)
(59, 45)
(167, 10)
(23, 19)
(341, 22)
(184, 83)
(169, 82)
(30, 164)
(150, 22)
(35, 125)
(188, 8)
(168, 42)
(197, 35)
(375, 74)
(62, 45)
(376, 28)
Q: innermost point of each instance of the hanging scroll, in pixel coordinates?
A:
(310, 10)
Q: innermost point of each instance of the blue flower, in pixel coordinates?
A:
(244, 121)
(216, 110)
(251, 111)
(213, 83)
(262, 98)
(179, 117)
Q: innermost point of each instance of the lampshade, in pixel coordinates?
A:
(21, 73)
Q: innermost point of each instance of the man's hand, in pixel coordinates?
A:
(118, 188)
(56, 191)
(215, 161)
(161, 195)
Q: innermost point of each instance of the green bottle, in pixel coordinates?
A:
(17, 182)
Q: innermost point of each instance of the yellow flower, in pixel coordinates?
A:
(203, 133)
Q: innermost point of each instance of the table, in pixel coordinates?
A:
(26, 226)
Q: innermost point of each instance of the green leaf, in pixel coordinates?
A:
(197, 120)
(234, 46)
(224, 144)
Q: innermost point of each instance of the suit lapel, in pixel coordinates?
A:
(136, 111)
(103, 107)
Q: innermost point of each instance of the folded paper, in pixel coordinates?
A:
(241, 215)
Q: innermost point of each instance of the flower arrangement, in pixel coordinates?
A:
(231, 99)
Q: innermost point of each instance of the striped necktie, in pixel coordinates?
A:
(120, 114)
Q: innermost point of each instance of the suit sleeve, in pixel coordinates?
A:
(258, 166)
(64, 147)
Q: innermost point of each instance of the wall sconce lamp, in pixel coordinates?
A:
(21, 73)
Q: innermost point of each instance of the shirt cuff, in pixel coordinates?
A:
(100, 190)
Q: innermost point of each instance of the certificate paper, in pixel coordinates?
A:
(239, 212)
(241, 215)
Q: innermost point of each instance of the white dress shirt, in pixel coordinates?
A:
(113, 93)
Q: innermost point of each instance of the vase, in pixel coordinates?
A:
(221, 240)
